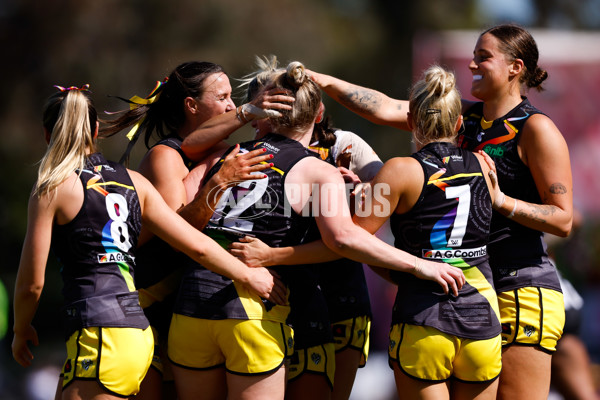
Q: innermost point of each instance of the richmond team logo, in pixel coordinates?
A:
(529, 330)
(315, 358)
(86, 364)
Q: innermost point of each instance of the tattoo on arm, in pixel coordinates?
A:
(558, 188)
(361, 100)
(555, 188)
(538, 212)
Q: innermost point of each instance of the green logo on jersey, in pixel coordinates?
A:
(494, 150)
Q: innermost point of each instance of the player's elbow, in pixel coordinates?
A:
(192, 153)
(339, 241)
(560, 228)
(198, 252)
(31, 290)
(564, 230)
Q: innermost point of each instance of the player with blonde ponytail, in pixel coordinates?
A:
(441, 346)
(90, 211)
(533, 169)
(296, 174)
(66, 151)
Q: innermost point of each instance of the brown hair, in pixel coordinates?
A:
(517, 43)
(166, 115)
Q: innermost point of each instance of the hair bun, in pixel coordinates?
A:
(440, 81)
(537, 77)
(295, 74)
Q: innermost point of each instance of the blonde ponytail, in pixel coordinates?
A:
(70, 118)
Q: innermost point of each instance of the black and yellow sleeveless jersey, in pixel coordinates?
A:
(175, 142)
(97, 251)
(449, 223)
(513, 247)
(256, 207)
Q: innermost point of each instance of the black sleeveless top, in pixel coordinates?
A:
(518, 254)
(449, 223)
(260, 208)
(343, 281)
(97, 251)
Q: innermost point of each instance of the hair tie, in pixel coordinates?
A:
(134, 102)
(84, 88)
(151, 98)
(433, 111)
(137, 101)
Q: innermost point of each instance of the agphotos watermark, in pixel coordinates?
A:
(254, 199)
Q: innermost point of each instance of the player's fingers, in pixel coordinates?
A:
(444, 285)
(260, 167)
(254, 153)
(233, 153)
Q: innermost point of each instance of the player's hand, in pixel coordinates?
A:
(239, 167)
(267, 103)
(20, 347)
(448, 277)
(498, 196)
(267, 285)
(316, 77)
(349, 176)
(252, 251)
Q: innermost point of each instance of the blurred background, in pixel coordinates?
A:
(122, 48)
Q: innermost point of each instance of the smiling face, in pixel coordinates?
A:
(216, 97)
(490, 69)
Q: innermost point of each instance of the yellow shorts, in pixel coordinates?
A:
(353, 333)
(244, 347)
(117, 358)
(425, 353)
(532, 316)
(318, 360)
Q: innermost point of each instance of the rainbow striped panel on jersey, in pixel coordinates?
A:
(449, 223)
